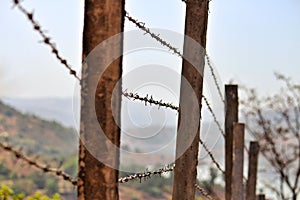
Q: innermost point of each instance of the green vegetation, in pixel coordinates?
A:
(33, 182)
(7, 193)
(36, 136)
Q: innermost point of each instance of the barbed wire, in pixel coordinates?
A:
(214, 77)
(213, 115)
(147, 175)
(46, 169)
(211, 156)
(46, 39)
(149, 100)
(163, 42)
(141, 25)
(160, 103)
(203, 192)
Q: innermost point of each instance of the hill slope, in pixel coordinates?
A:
(35, 135)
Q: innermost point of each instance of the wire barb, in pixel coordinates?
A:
(46, 39)
(203, 192)
(213, 115)
(146, 175)
(45, 168)
(211, 156)
(141, 25)
(150, 100)
(214, 77)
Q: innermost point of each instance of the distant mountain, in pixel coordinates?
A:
(57, 109)
(134, 114)
(137, 120)
(36, 135)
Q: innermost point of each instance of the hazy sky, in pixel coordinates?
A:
(247, 41)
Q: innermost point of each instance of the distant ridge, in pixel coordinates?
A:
(36, 135)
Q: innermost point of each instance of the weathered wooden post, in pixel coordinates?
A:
(252, 171)
(238, 161)
(102, 19)
(186, 165)
(231, 116)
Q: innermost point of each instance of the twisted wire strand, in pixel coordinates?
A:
(212, 156)
(141, 25)
(149, 100)
(203, 192)
(46, 39)
(146, 175)
(213, 115)
(160, 103)
(46, 169)
(214, 77)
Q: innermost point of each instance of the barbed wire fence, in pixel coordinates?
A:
(32, 162)
(148, 99)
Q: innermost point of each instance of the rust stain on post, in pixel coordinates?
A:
(186, 165)
(231, 116)
(238, 161)
(102, 19)
(252, 171)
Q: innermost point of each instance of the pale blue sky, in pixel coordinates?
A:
(247, 41)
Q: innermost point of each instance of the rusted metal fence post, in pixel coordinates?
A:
(252, 171)
(96, 180)
(231, 116)
(186, 165)
(238, 161)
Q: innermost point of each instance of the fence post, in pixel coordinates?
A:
(231, 116)
(238, 161)
(252, 171)
(186, 165)
(102, 19)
